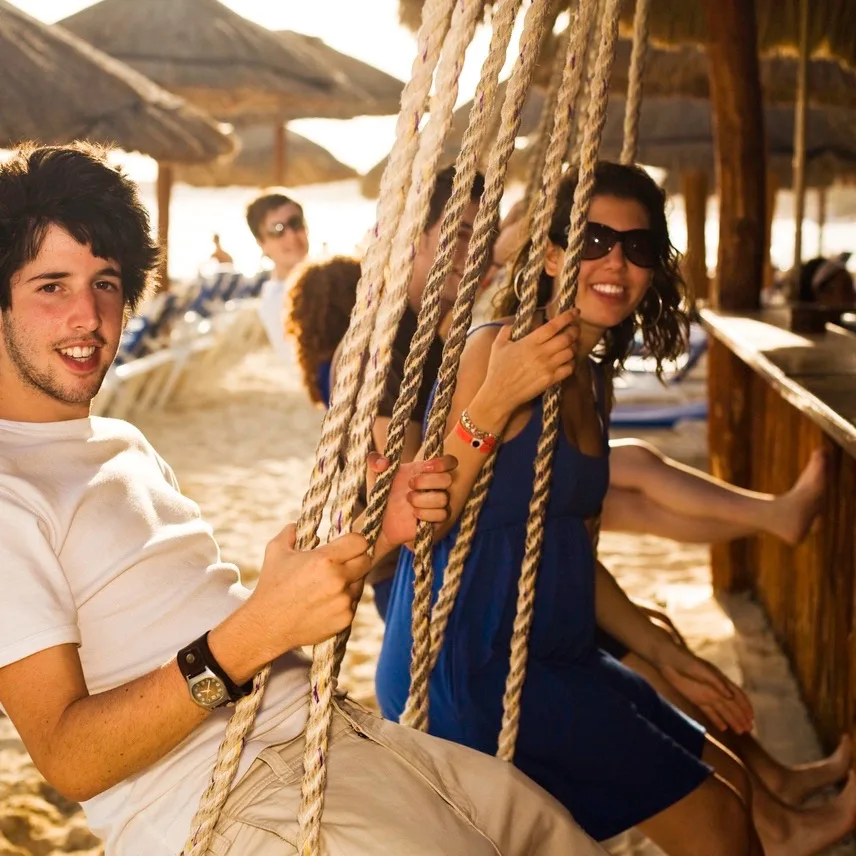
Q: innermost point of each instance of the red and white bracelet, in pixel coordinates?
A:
(482, 441)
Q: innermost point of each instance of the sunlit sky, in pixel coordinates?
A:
(376, 38)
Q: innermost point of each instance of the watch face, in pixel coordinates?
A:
(208, 692)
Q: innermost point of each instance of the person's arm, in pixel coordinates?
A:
(497, 380)
(701, 682)
(301, 598)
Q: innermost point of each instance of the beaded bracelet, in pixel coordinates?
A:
(482, 441)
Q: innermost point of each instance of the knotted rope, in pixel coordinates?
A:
(633, 107)
(394, 184)
(416, 711)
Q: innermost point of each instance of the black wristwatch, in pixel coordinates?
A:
(209, 685)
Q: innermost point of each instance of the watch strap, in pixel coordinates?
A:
(197, 656)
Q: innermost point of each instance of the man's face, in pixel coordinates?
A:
(283, 238)
(424, 258)
(61, 333)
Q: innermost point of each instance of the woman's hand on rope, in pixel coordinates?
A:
(420, 491)
(519, 371)
(724, 703)
(303, 598)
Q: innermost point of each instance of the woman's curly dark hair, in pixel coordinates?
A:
(664, 330)
(321, 297)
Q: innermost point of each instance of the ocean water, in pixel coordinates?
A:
(339, 219)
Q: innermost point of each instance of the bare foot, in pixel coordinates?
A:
(804, 832)
(798, 783)
(793, 512)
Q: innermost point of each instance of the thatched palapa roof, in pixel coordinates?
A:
(682, 74)
(832, 24)
(210, 55)
(305, 163)
(359, 89)
(55, 88)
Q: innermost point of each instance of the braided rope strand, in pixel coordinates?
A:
(429, 311)
(633, 106)
(416, 709)
(423, 175)
(569, 80)
(436, 16)
(553, 397)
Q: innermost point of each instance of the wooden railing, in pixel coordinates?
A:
(775, 396)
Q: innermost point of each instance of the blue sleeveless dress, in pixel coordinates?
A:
(593, 733)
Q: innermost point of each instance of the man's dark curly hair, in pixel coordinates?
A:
(73, 187)
(662, 315)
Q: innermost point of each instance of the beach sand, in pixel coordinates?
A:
(243, 447)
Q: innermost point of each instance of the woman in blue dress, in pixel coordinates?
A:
(592, 732)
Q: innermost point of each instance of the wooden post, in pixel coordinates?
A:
(772, 192)
(799, 137)
(695, 204)
(164, 191)
(821, 218)
(741, 157)
(729, 426)
(279, 154)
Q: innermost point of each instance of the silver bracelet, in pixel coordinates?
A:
(475, 431)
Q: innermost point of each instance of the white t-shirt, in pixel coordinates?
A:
(271, 312)
(99, 548)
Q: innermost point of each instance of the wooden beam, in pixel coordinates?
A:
(741, 158)
(164, 192)
(695, 205)
(821, 218)
(772, 193)
(799, 137)
(729, 427)
(279, 154)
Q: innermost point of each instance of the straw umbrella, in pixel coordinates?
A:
(56, 88)
(206, 53)
(308, 163)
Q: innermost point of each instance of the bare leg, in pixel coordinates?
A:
(791, 785)
(713, 820)
(638, 466)
(627, 510)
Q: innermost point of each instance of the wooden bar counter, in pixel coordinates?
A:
(775, 396)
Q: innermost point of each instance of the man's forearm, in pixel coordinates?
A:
(103, 739)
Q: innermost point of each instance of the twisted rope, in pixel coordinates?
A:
(569, 80)
(429, 311)
(633, 107)
(394, 184)
(585, 94)
(416, 710)
(553, 397)
(397, 276)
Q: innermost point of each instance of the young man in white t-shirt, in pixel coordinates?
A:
(123, 634)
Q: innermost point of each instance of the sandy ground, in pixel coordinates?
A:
(243, 451)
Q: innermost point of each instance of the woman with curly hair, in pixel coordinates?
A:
(593, 733)
(321, 297)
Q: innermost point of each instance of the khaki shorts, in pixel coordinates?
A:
(392, 791)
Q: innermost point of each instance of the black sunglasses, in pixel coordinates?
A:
(295, 223)
(638, 245)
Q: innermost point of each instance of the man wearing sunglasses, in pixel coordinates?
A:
(279, 227)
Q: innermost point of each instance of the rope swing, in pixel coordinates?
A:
(446, 30)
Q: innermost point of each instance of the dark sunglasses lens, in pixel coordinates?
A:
(296, 223)
(599, 240)
(639, 248)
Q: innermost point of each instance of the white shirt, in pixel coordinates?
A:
(271, 312)
(99, 548)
